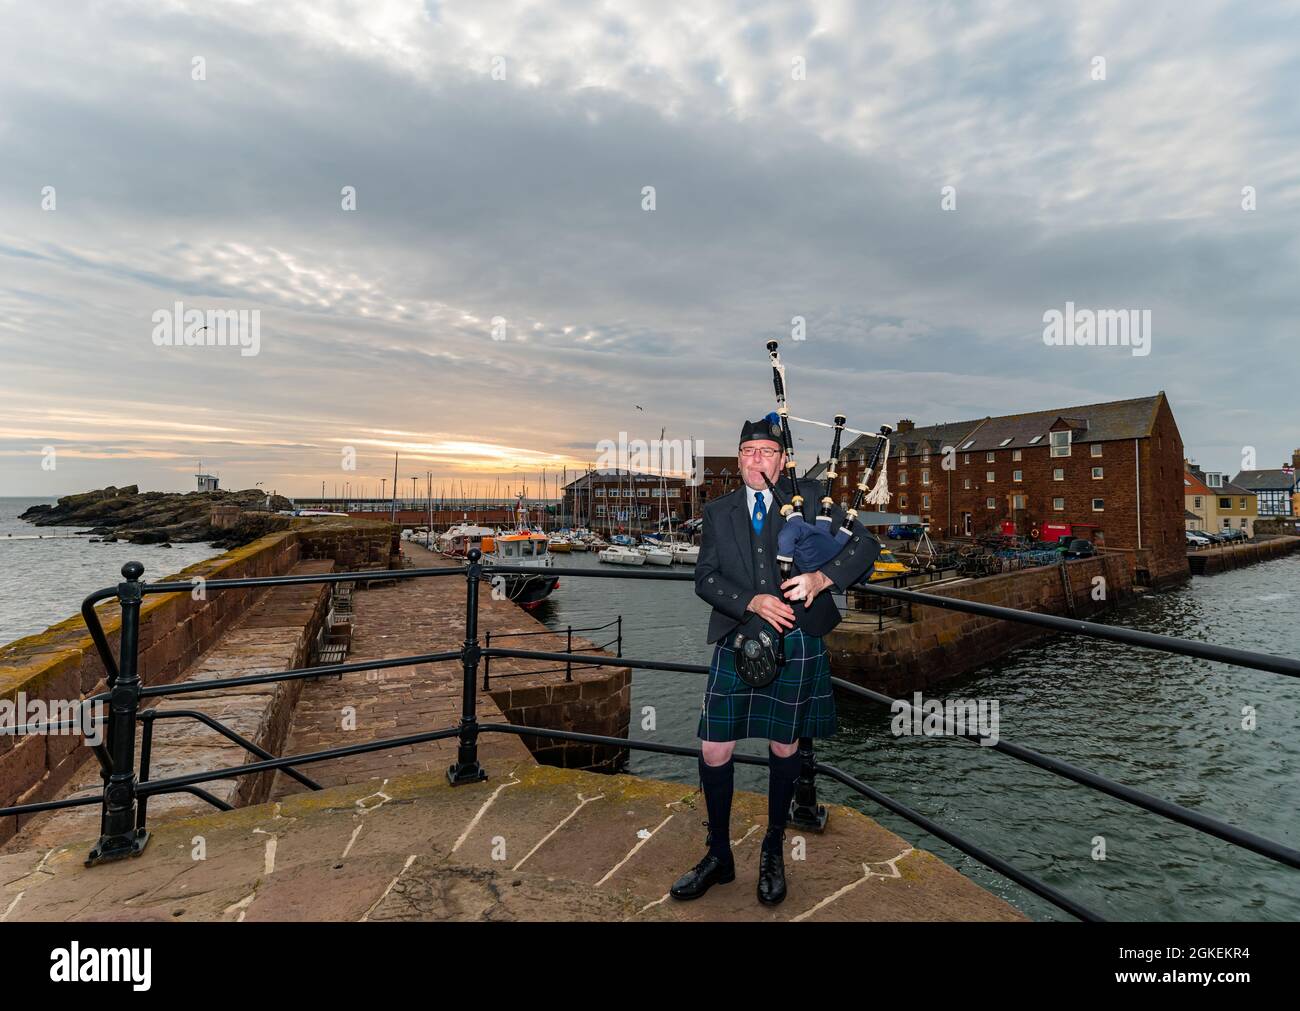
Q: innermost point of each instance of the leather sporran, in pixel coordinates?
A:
(760, 652)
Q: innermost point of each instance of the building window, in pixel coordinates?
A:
(968, 446)
(643, 493)
(988, 476)
(1098, 505)
(1017, 501)
(902, 477)
(1017, 475)
(1015, 455)
(1035, 440)
(1096, 449)
(902, 501)
(966, 483)
(988, 457)
(600, 508)
(1243, 503)
(1214, 480)
(925, 501)
(1243, 521)
(1061, 443)
(1225, 503)
(1197, 501)
(600, 493)
(925, 476)
(1058, 504)
(925, 457)
(1096, 473)
(1004, 442)
(965, 458)
(990, 502)
(1058, 474)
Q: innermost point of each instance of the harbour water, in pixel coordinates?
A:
(46, 572)
(1168, 725)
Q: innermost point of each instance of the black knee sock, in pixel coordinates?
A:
(781, 777)
(718, 782)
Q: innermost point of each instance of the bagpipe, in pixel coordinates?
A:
(805, 546)
(802, 546)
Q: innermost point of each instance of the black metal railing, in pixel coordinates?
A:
(567, 631)
(126, 793)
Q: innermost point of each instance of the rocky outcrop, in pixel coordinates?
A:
(156, 517)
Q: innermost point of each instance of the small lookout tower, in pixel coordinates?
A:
(206, 482)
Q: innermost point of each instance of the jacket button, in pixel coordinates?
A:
(857, 537)
(733, 596)
(710, 579)
(760, 551)
(763, 582)
(837, 561)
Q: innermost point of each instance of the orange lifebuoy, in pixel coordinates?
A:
(1034, 533)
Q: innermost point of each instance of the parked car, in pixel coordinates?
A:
(1079, 548)
(1196, 539)
(904, 532)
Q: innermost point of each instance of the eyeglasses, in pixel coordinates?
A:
(766, 452)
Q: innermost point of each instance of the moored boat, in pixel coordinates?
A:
(620, 555)
(522, 548)
(656, 555)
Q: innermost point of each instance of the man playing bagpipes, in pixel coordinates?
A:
(767, 560)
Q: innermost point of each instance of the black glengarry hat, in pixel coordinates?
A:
(768, 428)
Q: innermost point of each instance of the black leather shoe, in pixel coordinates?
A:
(712, 870)
(771, 871)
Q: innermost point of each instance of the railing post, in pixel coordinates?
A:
(620, 636)
(466, 768)
(568, 664)
(487, 661)
(805, 812)
(119, 835)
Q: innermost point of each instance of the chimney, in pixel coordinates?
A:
(1295, 459)
(906, 425)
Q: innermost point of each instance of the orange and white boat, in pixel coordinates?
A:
(522, 548)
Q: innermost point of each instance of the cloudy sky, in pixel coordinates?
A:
(499, 152)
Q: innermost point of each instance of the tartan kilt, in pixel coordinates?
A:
(798, 703)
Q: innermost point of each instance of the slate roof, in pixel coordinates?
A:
(1105, 422)
(1265, 480)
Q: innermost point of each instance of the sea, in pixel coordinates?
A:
(46, 572)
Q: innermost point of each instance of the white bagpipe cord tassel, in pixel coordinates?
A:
(879, 494)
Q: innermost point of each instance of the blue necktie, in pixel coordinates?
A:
(758, 513)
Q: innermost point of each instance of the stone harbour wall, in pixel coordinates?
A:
(939, 645)
(61, 663)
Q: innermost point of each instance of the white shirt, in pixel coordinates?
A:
(749, 501)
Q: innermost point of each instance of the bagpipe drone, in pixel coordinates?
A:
(805, 546)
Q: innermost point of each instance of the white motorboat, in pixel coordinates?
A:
(687, 554)
(618, 555)
(656, 556)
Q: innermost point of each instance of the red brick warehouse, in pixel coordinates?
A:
(1110, 472)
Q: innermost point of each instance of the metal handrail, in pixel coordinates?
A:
(125, 797)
